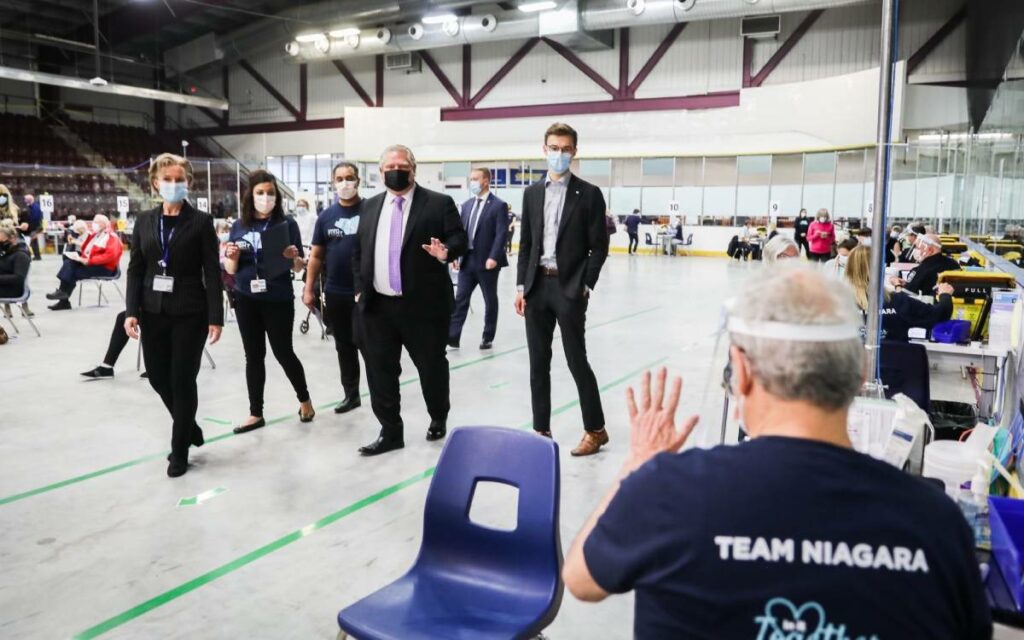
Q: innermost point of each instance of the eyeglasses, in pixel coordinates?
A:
(556, 149)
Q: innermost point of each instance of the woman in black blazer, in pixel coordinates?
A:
(174, 296)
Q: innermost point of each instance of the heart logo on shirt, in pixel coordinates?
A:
(785, 621)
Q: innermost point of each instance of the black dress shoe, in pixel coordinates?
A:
(380, 446)
(197, 437)
(60, 305)
(58, 294)
(100, 373)
(306, 418)
(348, 404)
(246, 428)
(453, 344)
(485, 345)
(437, 430)
(177, 467)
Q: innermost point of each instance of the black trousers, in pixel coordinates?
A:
(258, 322)
(118, 341)
(341, 316)
(172, 347)
(546, 305)
(819, 257)
(469, 278)
(634, 241)
(388, 324)
(12, 290)
(71, 272)
(801, 243)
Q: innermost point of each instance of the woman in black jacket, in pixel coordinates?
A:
(900, 311)
(174, 296)
(14, 262)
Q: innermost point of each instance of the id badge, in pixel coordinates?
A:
(163, 284)
(258, 285)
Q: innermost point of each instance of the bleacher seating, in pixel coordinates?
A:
(27, 140)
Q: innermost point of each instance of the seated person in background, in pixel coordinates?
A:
(893, 249)
(780, 248)
(98, 258)
(923, 278)
(792, 528)
(14, 261)
(864, 236)
(746, 235)
(118, 341)
(909, 243)
(837, 264)
(900, 311)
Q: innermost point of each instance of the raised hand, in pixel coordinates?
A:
(437, 249)
(652, 422)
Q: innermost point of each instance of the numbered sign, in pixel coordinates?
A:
(774, 208)
(46, 204)
(673, 207)
(122, 205)
(203, 204)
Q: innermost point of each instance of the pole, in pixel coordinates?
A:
(209, 189)
(882, 150)
(238, 190)
(96, 34)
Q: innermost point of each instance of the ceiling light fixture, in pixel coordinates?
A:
(543, 5)
(439, 18)
(344, 32)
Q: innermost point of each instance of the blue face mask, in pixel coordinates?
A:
(558, 162)
(474, 187)
(173, 192)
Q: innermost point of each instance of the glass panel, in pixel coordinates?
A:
(307, 168)
(624, 199)
(598, 172)
(626, 172)
(787, 184)
(654, 201)
(455, 171)
(689, 172)
(658, 172)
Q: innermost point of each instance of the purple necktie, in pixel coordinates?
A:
(395, 247)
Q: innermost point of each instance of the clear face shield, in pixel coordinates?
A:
(721, 407)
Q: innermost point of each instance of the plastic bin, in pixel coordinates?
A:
(951, 419)
(1006, 518)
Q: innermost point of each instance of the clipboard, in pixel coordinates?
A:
(273, 242)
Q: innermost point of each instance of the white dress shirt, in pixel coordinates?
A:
(554, 202)
(382, 246)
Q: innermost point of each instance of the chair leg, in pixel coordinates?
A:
(99, 294)
(10, 317)
(118, 289)
(28, 319)
(81, 287)
(209, 358)
(342, 635)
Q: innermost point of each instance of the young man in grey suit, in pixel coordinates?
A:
(485, 217)
(406, 237)
(562, 246)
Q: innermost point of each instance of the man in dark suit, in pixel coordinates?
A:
(563, 244)
(485, 218)
(407, 235)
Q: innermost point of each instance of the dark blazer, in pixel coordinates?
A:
(582, 245)
(491, 231)
(425, 280)
(193, 263)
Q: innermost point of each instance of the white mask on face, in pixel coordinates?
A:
(347, 189)
(301, 210)
(865, 242)
(264, 203)
(223, 237)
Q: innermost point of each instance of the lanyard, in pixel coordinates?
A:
(257, 250)
(165, 248)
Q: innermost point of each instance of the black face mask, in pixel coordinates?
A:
(397, 179)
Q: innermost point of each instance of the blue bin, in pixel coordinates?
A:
(1006, 518)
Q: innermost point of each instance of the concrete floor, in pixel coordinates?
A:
(296, 525)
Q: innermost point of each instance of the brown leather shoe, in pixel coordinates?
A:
(590, 444)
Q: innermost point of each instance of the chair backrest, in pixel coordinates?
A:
(647, 238)
(905, 370)
(689, 239)
(531, 554)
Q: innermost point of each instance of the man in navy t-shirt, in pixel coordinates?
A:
(792, 534)
(333, 239)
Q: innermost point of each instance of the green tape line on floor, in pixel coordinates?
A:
(232, 566)
(163, 455)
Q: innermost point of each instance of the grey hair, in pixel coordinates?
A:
(398, 147)
(774, 248)
(825, 374)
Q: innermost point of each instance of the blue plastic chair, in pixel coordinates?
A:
(471, 581)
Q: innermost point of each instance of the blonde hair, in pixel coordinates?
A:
(12, 209)
(165, 160)
(858, 274)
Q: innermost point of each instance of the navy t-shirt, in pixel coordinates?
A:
(335, 231)
(788, 538)
(248, 239)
